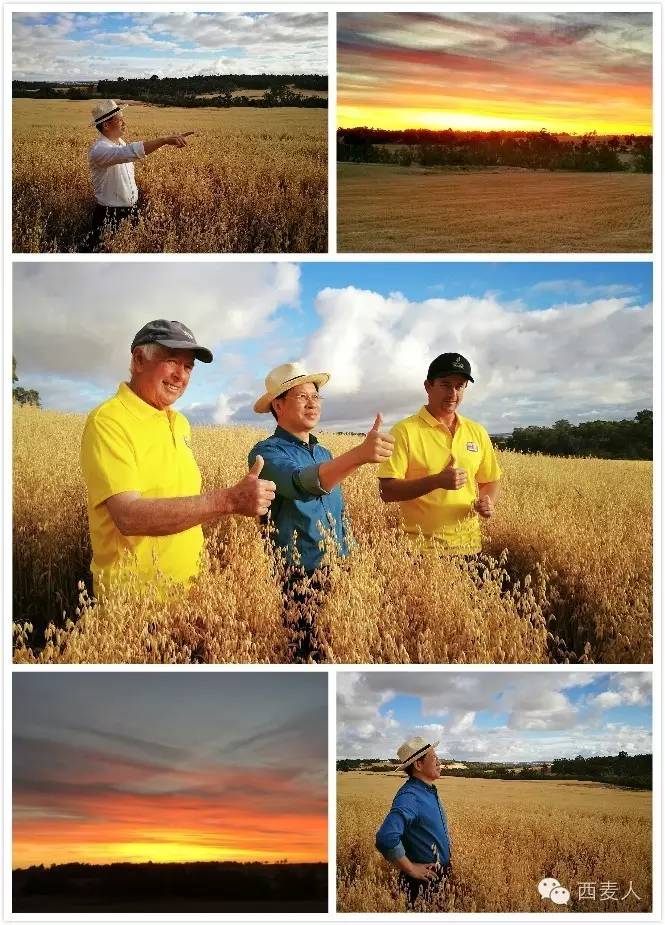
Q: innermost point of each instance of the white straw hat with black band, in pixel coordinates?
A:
(413, 749)
(283, 378)
(103, 110)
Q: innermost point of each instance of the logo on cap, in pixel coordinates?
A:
(459, 362)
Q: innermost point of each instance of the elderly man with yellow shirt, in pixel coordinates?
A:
(443, 470)
(145, 506)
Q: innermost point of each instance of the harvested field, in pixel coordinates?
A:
(385, 208)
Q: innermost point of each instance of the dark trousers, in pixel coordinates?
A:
(302, 593)
(424, 890)
(107, 218)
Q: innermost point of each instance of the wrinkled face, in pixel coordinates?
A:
(300, 409)
(429, 765)
(445, 393)
(160, 380)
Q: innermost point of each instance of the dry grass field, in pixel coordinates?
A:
(386, 208)
(568, 575)
(506, 837)
(250, 181)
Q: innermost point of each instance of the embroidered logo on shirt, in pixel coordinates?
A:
(472, 447)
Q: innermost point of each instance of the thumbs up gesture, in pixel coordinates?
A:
(252, 495)
(376, 446)
(452, 477)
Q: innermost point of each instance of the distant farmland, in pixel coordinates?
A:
(388, 208)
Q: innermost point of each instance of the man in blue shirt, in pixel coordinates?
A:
(308, 510)
(414, 835)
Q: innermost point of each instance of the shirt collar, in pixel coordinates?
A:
(431, 421)
(416, 781)
(138, 407)
(291, 438)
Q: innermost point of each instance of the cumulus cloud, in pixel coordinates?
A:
(529, 366)
(67, 46)
(76, 322)
(491, 716)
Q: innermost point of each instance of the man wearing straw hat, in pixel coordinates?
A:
(111, 163)
(414, 835)
(308, 510)
(443, 472)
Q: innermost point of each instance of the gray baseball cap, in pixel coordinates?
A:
(172, 334)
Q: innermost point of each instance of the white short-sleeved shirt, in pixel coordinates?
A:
(112, 171)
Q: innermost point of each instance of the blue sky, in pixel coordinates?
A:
(545, 340)
(495, 716)
(92, 46)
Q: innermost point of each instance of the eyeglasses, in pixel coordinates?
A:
(303, 398)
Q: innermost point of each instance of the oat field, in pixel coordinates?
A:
(506, 837)
(250, 181)
(567, 574)
(387, 209)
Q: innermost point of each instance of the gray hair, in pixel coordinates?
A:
(149, 351)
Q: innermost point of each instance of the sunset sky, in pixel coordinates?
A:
(169, 767)
(566, 72)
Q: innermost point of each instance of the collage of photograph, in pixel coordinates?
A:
(330, 464)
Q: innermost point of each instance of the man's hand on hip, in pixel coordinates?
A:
(452, 477)
(252, 496)
(377, 446)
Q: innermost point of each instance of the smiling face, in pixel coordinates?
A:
(445, 394)
(160, 375)
(298, 410)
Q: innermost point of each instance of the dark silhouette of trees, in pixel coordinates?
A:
(21, 395)
(604, 439)
(541, 150)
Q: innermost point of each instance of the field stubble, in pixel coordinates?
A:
(506, 837)
(385, 208)
(567, 577)
(250, 181)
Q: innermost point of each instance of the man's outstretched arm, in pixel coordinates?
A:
(134, 515)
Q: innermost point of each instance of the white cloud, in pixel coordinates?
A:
(529, 366)
(532, 715)
(78, 320)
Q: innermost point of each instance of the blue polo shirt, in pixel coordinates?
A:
(415, 823)
(301, 505)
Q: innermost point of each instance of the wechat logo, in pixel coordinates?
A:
(549, 888)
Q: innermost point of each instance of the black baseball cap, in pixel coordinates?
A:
(447, 363)
(172, 334)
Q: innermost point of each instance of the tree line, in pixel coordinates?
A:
(534, 150)
(220, 90)
(626, 439)
(623, 770)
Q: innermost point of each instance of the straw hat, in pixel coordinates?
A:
(283, 378)
(412, 749)
(103, 110)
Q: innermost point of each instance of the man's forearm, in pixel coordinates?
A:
(490, 489)
(407, 489)
(137, 516)
(335, 470)
(154, 144)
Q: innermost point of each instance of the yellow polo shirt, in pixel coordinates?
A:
(130, 446)
(423, 446)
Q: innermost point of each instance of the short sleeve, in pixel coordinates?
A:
(489, 469)
(108, 460)
(396, 467)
